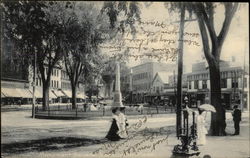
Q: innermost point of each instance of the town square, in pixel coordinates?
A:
(124, 79)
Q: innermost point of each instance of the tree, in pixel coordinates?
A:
(80, 41)
(35, 33)
(204, 12)
(130, 13)
(205, 15)
(108, 76)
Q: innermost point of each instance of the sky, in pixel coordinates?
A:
(236, 43)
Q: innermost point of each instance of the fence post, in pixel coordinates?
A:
(48, 110)
(103, 110)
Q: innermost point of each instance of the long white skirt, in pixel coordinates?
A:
(201, 131)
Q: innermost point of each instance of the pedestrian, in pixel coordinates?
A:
(201, 129)
(123, 133)
(236, 118)
(113, 133)
(19, 102)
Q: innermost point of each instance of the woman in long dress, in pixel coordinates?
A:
(113, 134)
(201, 129)
(122, 123)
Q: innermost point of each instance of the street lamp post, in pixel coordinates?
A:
(187, 134)
(34, 88)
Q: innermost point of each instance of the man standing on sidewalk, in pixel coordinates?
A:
(236, 118)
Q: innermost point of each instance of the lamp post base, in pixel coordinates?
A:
(179, 151)
(185, 149)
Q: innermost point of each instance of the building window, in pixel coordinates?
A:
(223, 83)
(40, 82)
(245, 82)
(196, 84)
(190, 85)
(204, 84)
(234, 82)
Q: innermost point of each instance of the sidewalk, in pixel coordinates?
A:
(216, 147)
(17, 127)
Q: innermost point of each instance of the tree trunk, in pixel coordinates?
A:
(111, 89)
(107, 90)
(218, 123)
(73, 88)
(45, 95)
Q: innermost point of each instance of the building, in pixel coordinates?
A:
(143, 76)
(165, 86)
(55, 84)
(14, 76)
(17, 80)
(234, 84)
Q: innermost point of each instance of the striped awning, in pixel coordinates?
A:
(58, 93)
(2, 95)
(25, 93)
(38, 93)
(80, 95)
(16, 93)
(68, 93)
(52, 95)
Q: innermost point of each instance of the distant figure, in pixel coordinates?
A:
(19, 102)
(114, 129)
(122, 123)
(236, 118)
(85, 107)
(201, 129)
(223, 124)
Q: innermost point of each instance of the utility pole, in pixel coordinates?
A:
(174, 92)
(34, 87)
(182, 131)
(180, 71)
(243, 82)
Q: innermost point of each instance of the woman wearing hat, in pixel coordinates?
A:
(113, 133)
(122, 123)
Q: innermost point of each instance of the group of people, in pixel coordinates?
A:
(118, 126)
(118, 129)
(202, 131)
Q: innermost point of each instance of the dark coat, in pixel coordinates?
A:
(237, 115)
(112, 133)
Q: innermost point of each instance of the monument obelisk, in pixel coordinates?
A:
(117, 100)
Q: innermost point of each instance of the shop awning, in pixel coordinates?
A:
(68, 93)
(25, 93)
(2, 95)
(12, 92)
(38, 93)
(80, 95)
(16, 93)
(52, 95)
(58, 93)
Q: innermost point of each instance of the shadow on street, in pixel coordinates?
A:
(54, 143)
